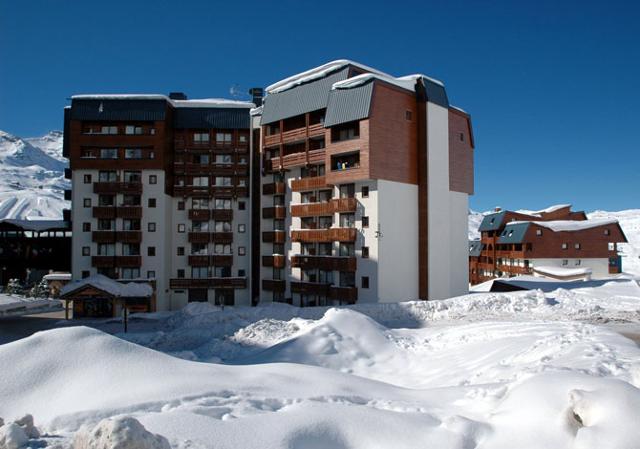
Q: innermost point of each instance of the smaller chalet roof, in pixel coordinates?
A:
(37, 225)
(110, 286)
(475, 248)
(571, 225)
(492, 222)
(514, 232)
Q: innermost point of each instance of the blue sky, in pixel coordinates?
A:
(553, 87)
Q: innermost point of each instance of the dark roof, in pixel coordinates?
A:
(220, 118)
(475, 248)
(347, 105)
(301, 99)
(514, 233)
(491, 222)
(97, 109)
(436, 93)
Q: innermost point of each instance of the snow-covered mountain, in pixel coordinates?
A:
(629, 221)
(32, 176)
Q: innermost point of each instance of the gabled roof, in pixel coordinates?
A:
(109, 286)
(475, 248)
(514, 232)
(492, 222)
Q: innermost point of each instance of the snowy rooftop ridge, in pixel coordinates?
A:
(191, 103)
(115, 288)
(548, 210)
(569, 225)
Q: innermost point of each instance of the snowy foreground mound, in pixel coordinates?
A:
(341, 381)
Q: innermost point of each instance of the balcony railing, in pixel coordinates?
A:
(199, 214)
(273, 236)
(116, 261)
(324, 208)
(312, 183)
(310, 288)
(129, 236)
(276, 261)
(104, 212)
(295, 135)
(199, 237)
(274, 212)
(214, 282)
(103, 236)
(222, 237)
(325, 235)
(129, 212)
(274, 188)
(274, 285)
(333, 263)
(344, 294)
(117, 187)
(207, 260)
(222, 214)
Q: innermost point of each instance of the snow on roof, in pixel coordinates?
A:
(57, 277)
(561, 271)
(115, 288)
(192, 103)
(358, 80)
(548, 210)
(458, 109)
(569, 225)
(256, 111)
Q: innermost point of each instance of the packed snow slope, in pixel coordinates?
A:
(629, 221)
(487, 371)
(32, 176)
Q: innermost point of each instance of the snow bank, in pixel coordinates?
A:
(119, 433)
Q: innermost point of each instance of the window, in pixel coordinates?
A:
(365, 282)
(565, 246)
(611, 246)
(151, 227)
(325, 222)
(200, 181)
(201, 137)
(223, 181)
(223, 159)
(199, 249)
(109, 130)
(200, 203)
(325, 277)
(86, 227)
(222, 248)
(223, 226)
(87, 154)
(223, 138)
(200, 226)
(347, 220)
(607, 232)
(87, 179)
(109, 153)
(538, 232)
(242, 251)
(308, 223)
(180, 205)
(132, 176)
(278, 274)
(151, 251)
(85, 274)
(86, 202)
(106, 200)
(107, 176)
(106, 224)
(325, 249)
(278, 248)
(135, 130)
(345, 161)
(181, 273)
(199, 272)
(106, 249)
(153, 179)
(241, 273)
(324, 195)
(565, 262)
(133, 153)
(308, 249)
(180, 251)
(202, 159)
(347, 279)
(241, 228)
(151, 274)
(347, 190)
(222, 272)
(130, 249)
(408, 115)
(365, 222)
(365, 191)
(306, 197)
(278, 224)
(576, 246)
(223, 204)
(86, 251)
(345, 132)
(461, 135)
(132, 224)
(151, 202)
(181, 227)
(242, 205)
(243, 138)
(365, 252)
(347, 249)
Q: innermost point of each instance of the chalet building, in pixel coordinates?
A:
(160, 191)
(365, 182)
(554, 242)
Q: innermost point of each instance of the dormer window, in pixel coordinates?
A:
(607, 232)
(538, 232)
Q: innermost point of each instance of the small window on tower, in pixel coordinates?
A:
(408, 115)
(461, 137)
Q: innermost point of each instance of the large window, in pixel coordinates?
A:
(200, 226)
(222, 248)
(347, 190)
(130, 129)
(223, 226)
(347, 279)
(106, 225)
(346, 131)
(223, 181)
(325, 249)
(108, 153)
(132, 176)
(348, 220)
(200, 181)
(223, 204)
(223, 138)
(201, 137)
(130, 249)
(131, 200)
(199, 272)
(106, 249)
(130, 273)
(199, 249)
(106, 200)
(202, 159)
(132, 224)
(308, 249)
(133, 153)
(200, 203)
(347, 249)
(224, 159)
(109, 130)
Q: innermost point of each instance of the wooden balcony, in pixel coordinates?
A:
(344, 294)
(222, 237)
(324, 208)
(206, 260)
(116, 261)
(274, 212)
(273, 236)
(103, 261)
(222, 260)
(513, 269)
(274, 188)
(129, 212)
(103, 236)
(214, 282)
(104, 212)
(199, 214)
(199, 237)
(117, 187)
(332, 263)
(222, 214)
(273, 285)
(310, 288)
(198, 261)
(129, 236)
(295, 135)
(312, 183)
(276, 261)
(325, 235)
(128, 261)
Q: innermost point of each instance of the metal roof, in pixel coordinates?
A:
(347, 105)
(475, 248)
(300, 99)
(436, 93)
(514, 233)
(118, 109)
(209, 118)
(491, 222)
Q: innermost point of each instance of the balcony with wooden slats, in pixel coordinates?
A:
(325, 235)
(222, 237)
(274, 212)
(274, 188)
(117, 187)
(336, 205)
(274, 285)
(332, 263)
(213, 282)
(273, 236)
(103, 236)
(199, 237)
(222, 214)
(104, 212)
(198, 261)
(311, 183)
(129, 236)
(344, 294)
(310, 288)
(199, 214)
(116, 261)
(129, 212)
(275, 261)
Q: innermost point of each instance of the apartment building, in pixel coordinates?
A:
(160, 193)
(555, 242)
(365, 182)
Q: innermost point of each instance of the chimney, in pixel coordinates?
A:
(498, 209)
(177, 95)
(257, 93)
